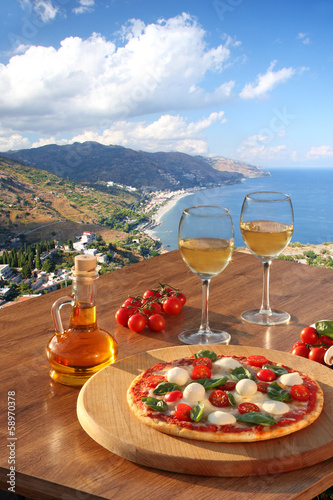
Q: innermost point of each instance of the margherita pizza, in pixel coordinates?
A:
(222, 398)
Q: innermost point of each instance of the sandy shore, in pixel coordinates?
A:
(163, 207)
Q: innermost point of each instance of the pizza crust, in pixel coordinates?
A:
(226, 437)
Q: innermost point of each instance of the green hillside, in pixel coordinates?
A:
(39, 204)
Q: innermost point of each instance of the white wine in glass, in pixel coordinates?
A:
(266, 224)
(206, 242)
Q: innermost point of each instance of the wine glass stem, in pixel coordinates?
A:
(265, 307)
(204, 312)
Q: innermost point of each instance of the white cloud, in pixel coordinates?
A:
(320, 152)
(304, 38)
(266, 82)
(13, 141)
(157, 69)
(257, 147)
(167, 133)
(85, 6)
(46, 10)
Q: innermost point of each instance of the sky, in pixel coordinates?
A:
(249, 80)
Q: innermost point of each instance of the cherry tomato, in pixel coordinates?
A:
(300, 392)
(256, 360)
(122, 315)
(132, 301)
(151, 293)
(172, 305)
(156, 322)
(309, 335)
(219, 398)
(297, 344)
(248, 408)
(137, 322)
(172, 396)
(182, 412)
(326, 340)
(262, 387)
(151, 307)
(301, 351)
(317, 354)
(201, 371)
(228, 386)
(203, 361)
(182, 297)
(154, 380)
(266, 375)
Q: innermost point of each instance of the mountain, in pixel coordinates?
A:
(228, 165)
(91, 162)
(41, 205)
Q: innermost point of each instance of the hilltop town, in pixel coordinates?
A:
(33, 270)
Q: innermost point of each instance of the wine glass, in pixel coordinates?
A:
(266, 224)
(206, 242)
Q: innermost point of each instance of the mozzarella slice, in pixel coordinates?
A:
(227, 364)
(194, 392)
(221, 418)
(177, 376)
(291, 379)
(275, 407)
(246, 387)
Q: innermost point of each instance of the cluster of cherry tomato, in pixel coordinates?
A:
(138, 312)
(312, 345)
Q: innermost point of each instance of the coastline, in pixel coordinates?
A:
(163, 202)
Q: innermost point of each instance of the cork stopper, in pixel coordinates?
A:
(85, 264)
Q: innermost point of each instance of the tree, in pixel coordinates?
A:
(26, 271)
(38, 262)
(48, 265)
(70, 244)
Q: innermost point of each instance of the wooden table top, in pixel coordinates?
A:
(55, 458)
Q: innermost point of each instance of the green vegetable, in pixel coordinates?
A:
(165, 387)
(257, 418)
(325, 328)
(155, 404)
(241, 372)
(231, 398)
(209, 383)
(197, 412)
(274, 391)
(278, 370)
(206, 354)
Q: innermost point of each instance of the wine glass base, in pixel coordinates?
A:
(196, 336)
(258, 318)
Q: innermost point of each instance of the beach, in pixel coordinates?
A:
(162, 202)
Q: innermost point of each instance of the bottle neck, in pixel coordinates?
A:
(84, 298)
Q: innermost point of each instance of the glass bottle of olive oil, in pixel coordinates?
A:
(82, 349)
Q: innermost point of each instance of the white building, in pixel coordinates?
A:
(5, 272)
(86, 238)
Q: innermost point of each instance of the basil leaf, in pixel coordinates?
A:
(155, 404)
(210, 383)
(165, 387)
(231, 398)
(197, 412)
(241, 372)
(206, 354)
(278, 370)
(257, 418)
(325, 328)
(274, 391)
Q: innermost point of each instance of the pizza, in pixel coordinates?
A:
(218, 398)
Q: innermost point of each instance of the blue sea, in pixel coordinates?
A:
(310, 189)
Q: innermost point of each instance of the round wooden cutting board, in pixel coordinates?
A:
(104, 414)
